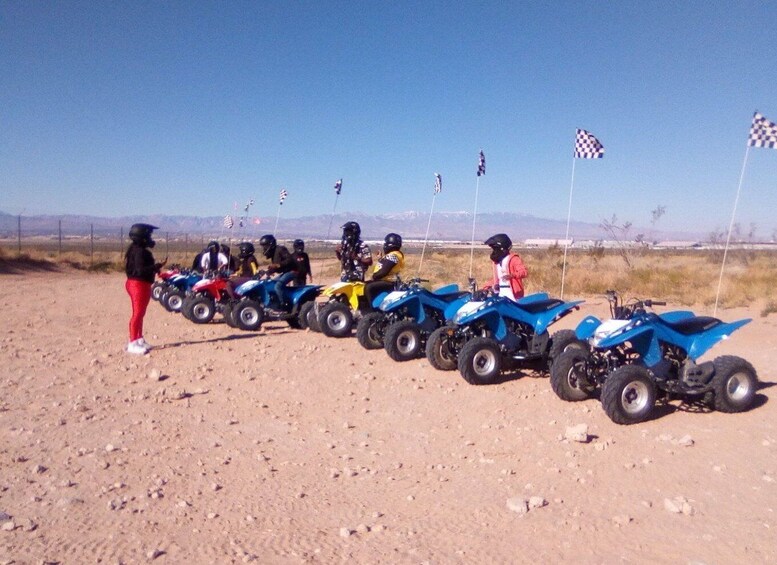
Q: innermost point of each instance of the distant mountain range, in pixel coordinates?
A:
(446, 226)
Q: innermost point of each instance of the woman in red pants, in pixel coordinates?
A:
(140, 268)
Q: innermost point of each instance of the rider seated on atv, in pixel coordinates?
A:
(303, 264)
(353, 253)
(509, 270)
(281, 262)
(388, 268)
(213, 259)
(246, 268)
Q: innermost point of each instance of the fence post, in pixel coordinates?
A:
(60, 236)
(167, 245)
(19, 234)
(186, 248)
(91, 245)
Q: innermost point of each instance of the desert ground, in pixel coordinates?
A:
(285, 446)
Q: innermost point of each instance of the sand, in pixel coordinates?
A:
(285, 446)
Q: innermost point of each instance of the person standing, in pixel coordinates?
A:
(303, 264)
(140, 269)
(353, 253)
(509, 270)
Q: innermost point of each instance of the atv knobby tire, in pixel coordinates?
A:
(568, 377)
(368, 330)
(336, 319)
(173, 300)
(157, 289)
(480, 361)
(628, 395)
(561, 341)
(438, 350)
(735, 383)
(313, 318)
(249, 315)
(304, 312)
(403, 340)
(202, 309)
(228, 311)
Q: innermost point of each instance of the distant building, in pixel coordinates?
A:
(549, 242)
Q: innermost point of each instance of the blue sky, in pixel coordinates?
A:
(114, 108)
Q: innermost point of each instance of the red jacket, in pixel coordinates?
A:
(517, 272)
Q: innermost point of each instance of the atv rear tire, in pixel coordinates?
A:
(173, 299)
(403, 341)
(202, 309)
(734, 383)
(628, 395)
(568, 377)
(367, 330)
(336, 320)
(249, 315)
(438, 350)
(304, 312)
(228, 311)
(480, 361)
(313, 318)
(157, 289)
(561, 341)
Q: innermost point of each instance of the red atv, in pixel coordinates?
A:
(206, 298)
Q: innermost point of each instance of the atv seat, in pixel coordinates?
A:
(540, 305)
(693, 325)
(451, 296)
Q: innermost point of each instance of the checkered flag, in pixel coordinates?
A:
(339, 186)
(228, 222)
(587, 146)
(481, 164)
(283, 196)
(437, 183)
(763, 133)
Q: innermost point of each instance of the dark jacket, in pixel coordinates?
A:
(283, 261)
(139, 263)
(303, 266)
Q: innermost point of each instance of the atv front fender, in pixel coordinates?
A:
(587, 327)
(641, 338)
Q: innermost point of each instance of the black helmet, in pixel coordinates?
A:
(246, 249)
(392, 242)
(351, 231)
(268, 243)
(214, 246)
(500, 242)
(141, 234)
(225, 249)
(299, 245)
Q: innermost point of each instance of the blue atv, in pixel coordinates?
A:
(259, 303)
(406, 318)
(175, 289)
(487, 335)
(578, 372)
(659, 354)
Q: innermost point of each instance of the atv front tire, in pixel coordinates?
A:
(561, 341)
(201, 310)
(628, 395)
(173, 300)
(336, 320)
(734, 383)
(249, 315)
(568, 376)
(304, 312)
(480, 361)
(367, 330)
(403, 340)
(438, 350)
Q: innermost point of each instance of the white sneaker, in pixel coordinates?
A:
(145, 344)
(136, 348)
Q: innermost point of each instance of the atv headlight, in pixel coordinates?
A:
(467, 309)
(391, 298)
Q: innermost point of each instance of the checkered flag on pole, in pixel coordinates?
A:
(338, 186)
(763, 133)
(437, 183)
(587, 146)
(283, 196)
(481, 164)
(228, 222)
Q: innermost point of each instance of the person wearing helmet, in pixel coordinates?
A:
(140, 268)
(354, 255)
(509, 270)
(387, 269)
(231, 259)
(281, 263)
(213, 259)
(303, 264)
(246, 267)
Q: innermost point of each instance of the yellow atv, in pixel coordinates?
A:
(335, 317)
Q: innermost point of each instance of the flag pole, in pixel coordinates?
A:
(730, 229)
(474, 217)
(277, 217)
(426, 237)
(566, 237)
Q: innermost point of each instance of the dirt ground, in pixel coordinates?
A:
(285, 446)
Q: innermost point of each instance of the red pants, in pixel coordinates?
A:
(140, 294)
